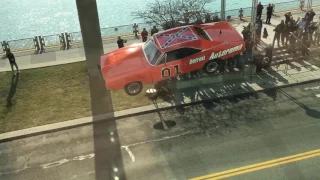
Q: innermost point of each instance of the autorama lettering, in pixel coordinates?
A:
(196, 60)
(226, 52)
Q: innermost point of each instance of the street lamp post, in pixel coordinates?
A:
(253, 31)
(223, 10)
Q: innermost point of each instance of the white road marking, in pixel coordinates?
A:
(156, 140)
(133, 158)
(162, 139)
(311, 88)
(77, 176)
(318, 95)
(63, 161)
(14, 172)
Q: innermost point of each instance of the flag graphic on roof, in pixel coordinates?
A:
(175, 36)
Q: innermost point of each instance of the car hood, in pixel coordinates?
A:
(123, 60)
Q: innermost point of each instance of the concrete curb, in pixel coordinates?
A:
(14, 135)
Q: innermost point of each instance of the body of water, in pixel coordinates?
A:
(28, 18)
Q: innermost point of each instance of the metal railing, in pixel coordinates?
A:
(21, 44)
(109, 34)
(234, 13)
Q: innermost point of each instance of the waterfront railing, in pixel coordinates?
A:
(66, 40)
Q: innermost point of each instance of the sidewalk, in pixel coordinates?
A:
(77, 54)
(55, 58)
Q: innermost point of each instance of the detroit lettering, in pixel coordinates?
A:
(225, 52)
(196, 60)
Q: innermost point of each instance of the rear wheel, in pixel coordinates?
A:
(134, 88)
(211, 66)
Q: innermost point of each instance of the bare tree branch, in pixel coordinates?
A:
(168, 13)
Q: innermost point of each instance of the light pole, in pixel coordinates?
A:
(253, 31)
(223, 10)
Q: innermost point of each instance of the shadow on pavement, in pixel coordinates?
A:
(108, 158)
(310, 112)
(12, 91)
(210, 120)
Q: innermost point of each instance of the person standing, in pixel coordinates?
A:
(288, 17)
(12, 61)
(273, 9)
(285, 34)
(312, 14)
(292, 42)
(259, 10)
(144, 35)
(135, 30)
(309, 18)
(245, 33)
(301, 24)
(269, 14)
(278, 31)
(240, 14)
(154, 30)
(301, 4)
(281, 30)
(121, 42)
(207, 18)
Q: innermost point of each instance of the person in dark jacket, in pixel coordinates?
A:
(288, 17)
(154, 30)
(9, 55)
(207, 18)
(285, 34)
(279, 33)
(144, 35)
(259, 10)
(245, 33)
(282, 27)
(121, 42)
(309, 18)
(269, 14)
(311, 15)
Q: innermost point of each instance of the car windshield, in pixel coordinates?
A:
(151, 52)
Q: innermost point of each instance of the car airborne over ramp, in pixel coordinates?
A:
(170, 53)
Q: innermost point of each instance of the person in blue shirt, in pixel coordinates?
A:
(301, 26)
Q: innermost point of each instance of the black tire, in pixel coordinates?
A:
(134, 88)
(212, 66)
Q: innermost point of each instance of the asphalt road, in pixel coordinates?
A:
(207, 139)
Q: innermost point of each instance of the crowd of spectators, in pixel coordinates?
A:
(298, 34)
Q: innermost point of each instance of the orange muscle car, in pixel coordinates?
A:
(170, 53)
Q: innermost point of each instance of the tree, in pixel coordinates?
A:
(172, 13)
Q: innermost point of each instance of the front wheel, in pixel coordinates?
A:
(134, 88)
(211, 66)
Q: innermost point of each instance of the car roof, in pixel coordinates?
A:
(186, 36)
(174, 38)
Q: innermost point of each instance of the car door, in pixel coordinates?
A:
(165, 69)
(173, 63)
